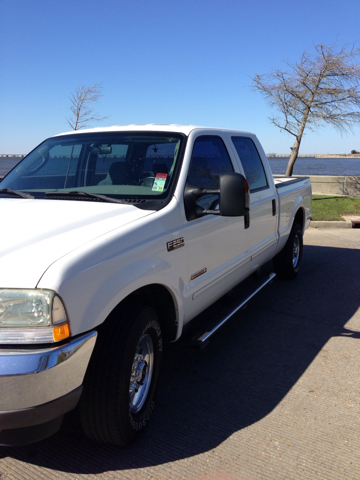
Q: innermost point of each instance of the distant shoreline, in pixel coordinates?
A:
(340, 155)
(269, 155)
(322, 164)
(320, 155)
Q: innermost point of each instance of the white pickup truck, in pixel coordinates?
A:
(112, 240)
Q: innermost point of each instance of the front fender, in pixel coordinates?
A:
(93, 280)
(99, 298)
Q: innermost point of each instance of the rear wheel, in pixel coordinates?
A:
(121, 380)
(287, 262)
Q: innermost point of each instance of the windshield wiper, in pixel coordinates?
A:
(15, 193)
(78, 193)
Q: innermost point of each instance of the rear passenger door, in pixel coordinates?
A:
(263, 218)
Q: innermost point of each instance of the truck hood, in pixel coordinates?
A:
(36, 233)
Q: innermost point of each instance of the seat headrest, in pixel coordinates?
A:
(160, 168)
(117, 172)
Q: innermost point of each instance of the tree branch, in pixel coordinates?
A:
(321, 88)
(82, 112)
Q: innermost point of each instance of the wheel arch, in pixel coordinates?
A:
(161, 300)
(300, 218)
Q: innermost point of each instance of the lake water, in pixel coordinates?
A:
(303, 166)
(7, 163)
(318, 166)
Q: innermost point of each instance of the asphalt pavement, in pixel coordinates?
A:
(275, 395)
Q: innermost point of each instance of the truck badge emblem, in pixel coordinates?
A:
(175, 244)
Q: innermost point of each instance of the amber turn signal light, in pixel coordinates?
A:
(61, 332)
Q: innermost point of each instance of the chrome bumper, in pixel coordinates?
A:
(30, 378)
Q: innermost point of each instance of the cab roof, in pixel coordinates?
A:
(151, 127)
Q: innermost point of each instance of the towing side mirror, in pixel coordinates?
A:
(234, 198)
(234, 195)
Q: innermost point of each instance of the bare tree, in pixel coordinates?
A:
(81, 101)
(321, 88)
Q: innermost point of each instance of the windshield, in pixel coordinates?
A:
(120, 165)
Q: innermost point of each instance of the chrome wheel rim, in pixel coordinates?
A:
(141, 373)
(296, 251)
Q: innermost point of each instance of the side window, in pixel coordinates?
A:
(251, 161)
(209, 159)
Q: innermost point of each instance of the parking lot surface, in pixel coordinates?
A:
(275, 395)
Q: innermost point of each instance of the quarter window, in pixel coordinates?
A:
(251, 161)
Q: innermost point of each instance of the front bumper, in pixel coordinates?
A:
(37, 387)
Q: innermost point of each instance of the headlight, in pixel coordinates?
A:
(32, 316)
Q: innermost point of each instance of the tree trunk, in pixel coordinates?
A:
(293, 157)
(295, 148)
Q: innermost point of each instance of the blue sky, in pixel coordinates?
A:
(159, 61)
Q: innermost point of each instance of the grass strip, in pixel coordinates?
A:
(326, 207)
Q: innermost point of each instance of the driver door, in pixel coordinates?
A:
(216, 245)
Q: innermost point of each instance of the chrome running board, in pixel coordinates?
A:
(201, 339)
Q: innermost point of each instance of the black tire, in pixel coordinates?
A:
(108, 412)
(287, 262)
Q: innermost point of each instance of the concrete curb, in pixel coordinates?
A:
(331, 224)
(350, 221)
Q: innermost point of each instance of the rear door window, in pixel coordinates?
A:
(251, 162)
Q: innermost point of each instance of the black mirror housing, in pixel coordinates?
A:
(234, 195)
(234, 198)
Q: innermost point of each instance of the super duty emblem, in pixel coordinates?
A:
(174, 244)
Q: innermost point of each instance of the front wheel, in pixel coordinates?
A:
(121, 380)
(287, 262)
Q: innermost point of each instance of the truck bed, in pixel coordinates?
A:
(281, 182)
